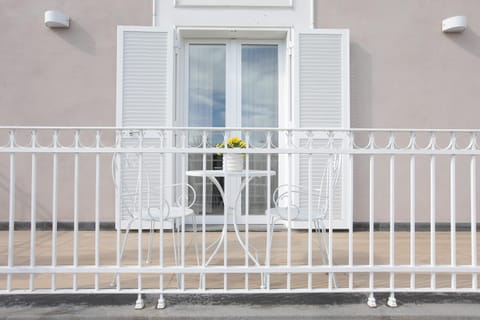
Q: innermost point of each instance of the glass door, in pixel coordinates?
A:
(207, 66)
(233, 83)
(259, 108)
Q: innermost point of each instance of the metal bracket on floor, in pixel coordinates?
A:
(392, 302)
(139, 304)
(371, 302)
(161, 303)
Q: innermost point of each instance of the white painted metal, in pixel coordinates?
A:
(412, 218)
(371, 247)
(473, 215)
(453, 200)
(433, 212)
(11, 210)
(442, 159)
(391, 299)
(75, 206)
(97, 207)
(33, 209)
(54, 209)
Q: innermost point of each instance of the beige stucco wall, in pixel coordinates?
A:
(406, 73)
(60, 77)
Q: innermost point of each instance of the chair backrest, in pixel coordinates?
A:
(330, 177)
(322, 195)
(129, 185)
(132, 180)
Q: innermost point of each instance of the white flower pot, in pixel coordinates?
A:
(232, 162)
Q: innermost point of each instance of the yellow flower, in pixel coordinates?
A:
(234, 142)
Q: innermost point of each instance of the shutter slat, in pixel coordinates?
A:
(145, 78)
(144, 92)
(320, 80)
(321, 104)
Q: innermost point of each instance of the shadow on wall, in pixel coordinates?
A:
(361, 114)
(78, 37)
(468, 40)
(22, 202)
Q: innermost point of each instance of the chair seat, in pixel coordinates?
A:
(173, 213)
(297, 214)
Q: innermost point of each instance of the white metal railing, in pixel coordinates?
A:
(407, 202)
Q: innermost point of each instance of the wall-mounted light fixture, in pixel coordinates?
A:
(56, 19)
(454, 24)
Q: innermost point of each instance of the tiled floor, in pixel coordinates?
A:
(236, 257)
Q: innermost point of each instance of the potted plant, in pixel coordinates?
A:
(233, 161)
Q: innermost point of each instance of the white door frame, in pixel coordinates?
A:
(233, 96)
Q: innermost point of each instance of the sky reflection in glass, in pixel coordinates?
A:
(259, 85)
(207, 73)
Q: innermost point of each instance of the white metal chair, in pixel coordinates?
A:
(150, 209)
(286, 198)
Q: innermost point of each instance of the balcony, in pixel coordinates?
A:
(402, 217)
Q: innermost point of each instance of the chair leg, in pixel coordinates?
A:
(195, 239)
(122, 251)
(265, 278)
(195, 246)
(272, 229)
(322, 242)
(320, 226)
(176, 248)
(150, 241)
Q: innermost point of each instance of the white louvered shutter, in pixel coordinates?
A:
(322, 101)
(144, 99)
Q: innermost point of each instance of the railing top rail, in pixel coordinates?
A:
(337, 129)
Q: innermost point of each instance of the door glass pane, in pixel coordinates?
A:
(206, 95)
(260, 109)
(206, 108)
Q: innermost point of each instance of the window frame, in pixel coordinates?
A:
(233, 84)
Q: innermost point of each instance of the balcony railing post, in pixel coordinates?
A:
(33, 209)
(54, 207)
(75, 205)
(412, 145)
(371, 231)
(473, 218)
(433, 211)
(392, 145)
(11, 211)
(97, 206)
(139, 304)
(453, 200)
(309, 135)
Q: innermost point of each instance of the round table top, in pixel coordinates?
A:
(222, 173)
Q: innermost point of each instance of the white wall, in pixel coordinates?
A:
(235, 14)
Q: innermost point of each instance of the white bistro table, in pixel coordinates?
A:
(230, 204)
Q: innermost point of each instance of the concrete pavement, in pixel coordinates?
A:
(267, 306)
